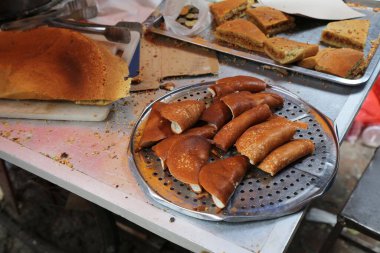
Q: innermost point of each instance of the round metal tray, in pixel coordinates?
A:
(259, 196)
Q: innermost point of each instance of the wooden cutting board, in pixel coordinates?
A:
(52, 110)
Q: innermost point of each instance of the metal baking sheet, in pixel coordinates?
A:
(259, 196)
(307, 30)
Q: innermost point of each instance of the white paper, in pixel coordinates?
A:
(113, 11)
(318, 9)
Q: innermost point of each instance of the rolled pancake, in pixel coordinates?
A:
(183, 114)
(162, 149)
(156, 128)
(221, 178)
(232, 84)
(240, 102)
(285, 155)
(278, 121)
(187, 157)
(217, 114)
(230, 132)
(206, 131)
(256, 143)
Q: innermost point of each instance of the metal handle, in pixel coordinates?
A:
(116, 33)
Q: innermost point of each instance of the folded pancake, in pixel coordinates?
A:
(278, 121)
(232, 84)
(227, 10)
(257, 142)
(230, 132)
(156, 128)
(343, 62)
(60, 64)
(346, 33)
(183, 114)
(162, 148)
(221, 178)
(270, 20)
(285, 155)
(241, 33)
(187, 157)
(216, 114)
(285, 51)
(240, 102)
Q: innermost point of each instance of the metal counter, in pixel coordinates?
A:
(96, 165)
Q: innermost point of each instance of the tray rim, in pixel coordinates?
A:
(213, 217)
(198, 41)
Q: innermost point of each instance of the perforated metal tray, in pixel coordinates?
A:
(307, 30)
(259, 196)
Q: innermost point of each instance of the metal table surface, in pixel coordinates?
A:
(97, 166)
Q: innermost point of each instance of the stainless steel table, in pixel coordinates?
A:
(97, 166)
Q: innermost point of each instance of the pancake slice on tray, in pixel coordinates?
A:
(285, 51)
(270, 20)
(242, 33)
(227, 10)
(346, 33)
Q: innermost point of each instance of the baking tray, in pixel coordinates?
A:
(307, 30)
(259, 196)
